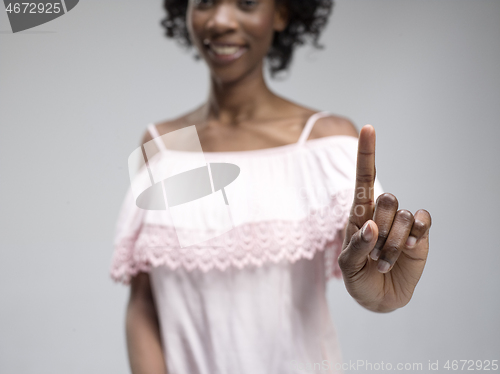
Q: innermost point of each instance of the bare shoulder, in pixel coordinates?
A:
(330, 125)
(333, 125)
(167, 126)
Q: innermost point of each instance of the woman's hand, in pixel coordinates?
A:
(385, 249)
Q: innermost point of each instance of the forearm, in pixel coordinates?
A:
(143, 339)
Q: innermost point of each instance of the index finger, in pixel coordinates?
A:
(363, 204)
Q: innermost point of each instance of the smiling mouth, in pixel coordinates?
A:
(225, 53)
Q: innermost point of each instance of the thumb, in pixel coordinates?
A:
(354, 256)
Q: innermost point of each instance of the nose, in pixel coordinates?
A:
(223, 18)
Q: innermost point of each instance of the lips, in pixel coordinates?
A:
(225, 52)
(225, 49)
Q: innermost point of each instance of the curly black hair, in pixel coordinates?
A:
(306, 19)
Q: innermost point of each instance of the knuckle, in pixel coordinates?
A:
(383, 232)
(342, 260)
(404, 215)
(356, 242)
(390, 252)
(426, 214)
(365, 178)
(419, 227)
(387, 199)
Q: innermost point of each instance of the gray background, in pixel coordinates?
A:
(77, 93)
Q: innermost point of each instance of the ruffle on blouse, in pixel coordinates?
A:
(323, 170)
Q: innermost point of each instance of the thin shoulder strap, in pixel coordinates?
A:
(156, 137)
(309, 125)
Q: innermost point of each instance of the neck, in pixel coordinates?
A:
(244, 99)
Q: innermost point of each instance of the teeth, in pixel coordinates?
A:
(225, 50)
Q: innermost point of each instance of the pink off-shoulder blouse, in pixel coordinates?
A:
(251, 300)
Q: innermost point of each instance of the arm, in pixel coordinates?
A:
(144, 344)
(142, 328)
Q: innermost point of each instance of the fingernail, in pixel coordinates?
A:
(375, 253)
(367, 232)
(383, 266)
(410, 242)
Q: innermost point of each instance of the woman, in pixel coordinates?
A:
(256, 303)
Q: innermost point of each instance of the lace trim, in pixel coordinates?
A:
(249, 244)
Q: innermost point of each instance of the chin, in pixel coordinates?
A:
(232, 74)
(226, 78)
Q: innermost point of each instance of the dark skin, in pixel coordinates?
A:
(385, 249)
(241, 113)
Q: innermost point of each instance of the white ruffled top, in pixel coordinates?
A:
(252, 299)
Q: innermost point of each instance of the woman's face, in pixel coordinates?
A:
(233, 36)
